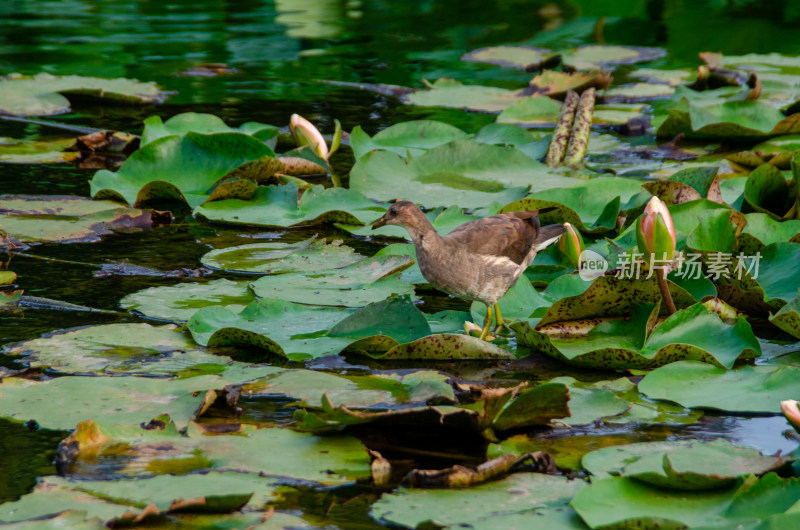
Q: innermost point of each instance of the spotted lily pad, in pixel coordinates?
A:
(276, 257)
(279, 206)
(184, 168)
(180, 301)
(788, 318)
(750, 389)
(469, 173)
(43, 94)
(181, 124)
(66, 219)
(625, 344)
(762, 230)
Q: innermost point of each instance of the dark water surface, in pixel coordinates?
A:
(280, 51)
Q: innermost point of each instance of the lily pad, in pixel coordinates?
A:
(119, 399)
(279, 206)
(441, 346)
(788, 318)
(136, 451)
(184, 168)
(36, 152)
(201, 493)
(625, 344)
(283, 329)
(592, 207)
(535, 495)
(365, 281)
(554, 83)
(276, 257)
(408, 139)
(596, 55)
(762, 230)
(750, 389)
(453, 94)
(469, 173)
(179, 302)
(181, 124)
(117, 349)
(767, 191)
(511, 56)
(708, 116)
(66, 219)
(41, 95)
(689, 465)
(542, 111)
(622, 501)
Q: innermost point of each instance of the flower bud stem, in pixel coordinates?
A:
(665, 294)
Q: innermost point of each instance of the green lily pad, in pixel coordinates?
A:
(704, 115)
(384, 391)
(672, 78)
(590, 403)
(407, 139)
(77, 519)
(181, 124)
(533, 494)
(626, 344)
(117, 349)
(637, 92)
(365, 281)
(595, 55)
(788, 318)
(684, 465)
(283, 329)
(277, 258)
(453, 94)
(771, 278)
(441, 346)
(510, 56)
(122, 399)
(184, 168)
(278, 206)
(537, 406)
(66, 219)
(180, 301)
(41, 95)
(622, 501)
(750, 389)
(591, 207)
(37, 151)
(539, 111)
(767, 191)
(762, 230)
(136, 451)
(207, 493)
(471, 174)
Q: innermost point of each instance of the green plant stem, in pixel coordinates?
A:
(337, 181)
(665, 294)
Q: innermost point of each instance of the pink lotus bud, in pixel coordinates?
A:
(791, 409)
(305, 133)
(571, 244)
(655, 232)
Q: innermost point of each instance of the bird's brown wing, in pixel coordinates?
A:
(509, 234)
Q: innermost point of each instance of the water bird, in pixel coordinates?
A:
(479, 260)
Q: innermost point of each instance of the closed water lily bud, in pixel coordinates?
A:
(305, 133)
(571, 244)
(791, 409)
(655, 232)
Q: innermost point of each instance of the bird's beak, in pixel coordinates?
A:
(379, 223)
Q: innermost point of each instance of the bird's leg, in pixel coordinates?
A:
(501, 323)
(487, 323)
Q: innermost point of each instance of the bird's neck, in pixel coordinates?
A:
(424, 235)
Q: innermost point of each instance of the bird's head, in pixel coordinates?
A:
(403, 213)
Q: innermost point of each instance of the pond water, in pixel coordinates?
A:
(281, 53)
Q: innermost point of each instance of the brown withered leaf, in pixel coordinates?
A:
(460, 476)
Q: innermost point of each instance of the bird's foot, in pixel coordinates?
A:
(502, 326)
(470, 328)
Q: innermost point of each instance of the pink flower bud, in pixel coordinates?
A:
(791, 409)
(571, 244)
(305, 133)
(655, 233)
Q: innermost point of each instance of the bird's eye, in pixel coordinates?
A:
(392, 212)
